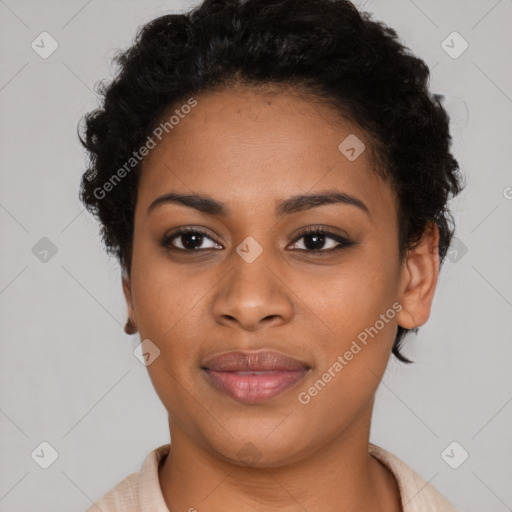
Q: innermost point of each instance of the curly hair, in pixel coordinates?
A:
(324, 47)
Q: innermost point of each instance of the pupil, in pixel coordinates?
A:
(319, 240)
(196, 237)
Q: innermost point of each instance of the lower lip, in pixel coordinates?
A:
(255, 387)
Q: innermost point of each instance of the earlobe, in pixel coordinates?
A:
(419, 279)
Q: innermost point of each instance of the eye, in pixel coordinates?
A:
(316, 238)
(190, 239)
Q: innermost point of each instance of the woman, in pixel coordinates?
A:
(273, 177)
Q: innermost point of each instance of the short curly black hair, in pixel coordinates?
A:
(325, 47)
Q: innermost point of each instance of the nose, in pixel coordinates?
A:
(253, 296)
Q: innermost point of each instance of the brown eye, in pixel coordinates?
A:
(316, 239)
(188, 239)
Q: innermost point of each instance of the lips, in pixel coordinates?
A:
(264, 360)
(253, 377)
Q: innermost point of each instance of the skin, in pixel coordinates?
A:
(250, 149)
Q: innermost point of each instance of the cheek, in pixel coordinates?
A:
(168, 308)
(355, 296)
(359, 305)
(166, 315)
(169, 312)
(164, 293)
(350, 363)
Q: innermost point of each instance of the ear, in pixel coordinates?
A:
(127, 290)
(418, 279)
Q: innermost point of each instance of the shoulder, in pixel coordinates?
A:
(124, 496)
(138, 492)
(416, 494)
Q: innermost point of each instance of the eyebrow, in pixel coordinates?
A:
(294, 204)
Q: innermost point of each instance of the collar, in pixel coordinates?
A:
(416, 494)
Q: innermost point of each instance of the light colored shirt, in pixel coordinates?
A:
(140, 491)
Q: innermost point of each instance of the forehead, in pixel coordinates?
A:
(247, 146)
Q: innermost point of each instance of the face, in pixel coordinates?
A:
(318, 281)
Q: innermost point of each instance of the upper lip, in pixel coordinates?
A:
(262, 360)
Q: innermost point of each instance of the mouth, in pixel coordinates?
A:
(254, 377)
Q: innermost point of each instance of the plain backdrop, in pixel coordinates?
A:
(69, 377)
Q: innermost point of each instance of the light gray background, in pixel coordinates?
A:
(68, 374)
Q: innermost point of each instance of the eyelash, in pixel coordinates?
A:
(315, 230)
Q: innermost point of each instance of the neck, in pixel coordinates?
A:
(339, 476)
